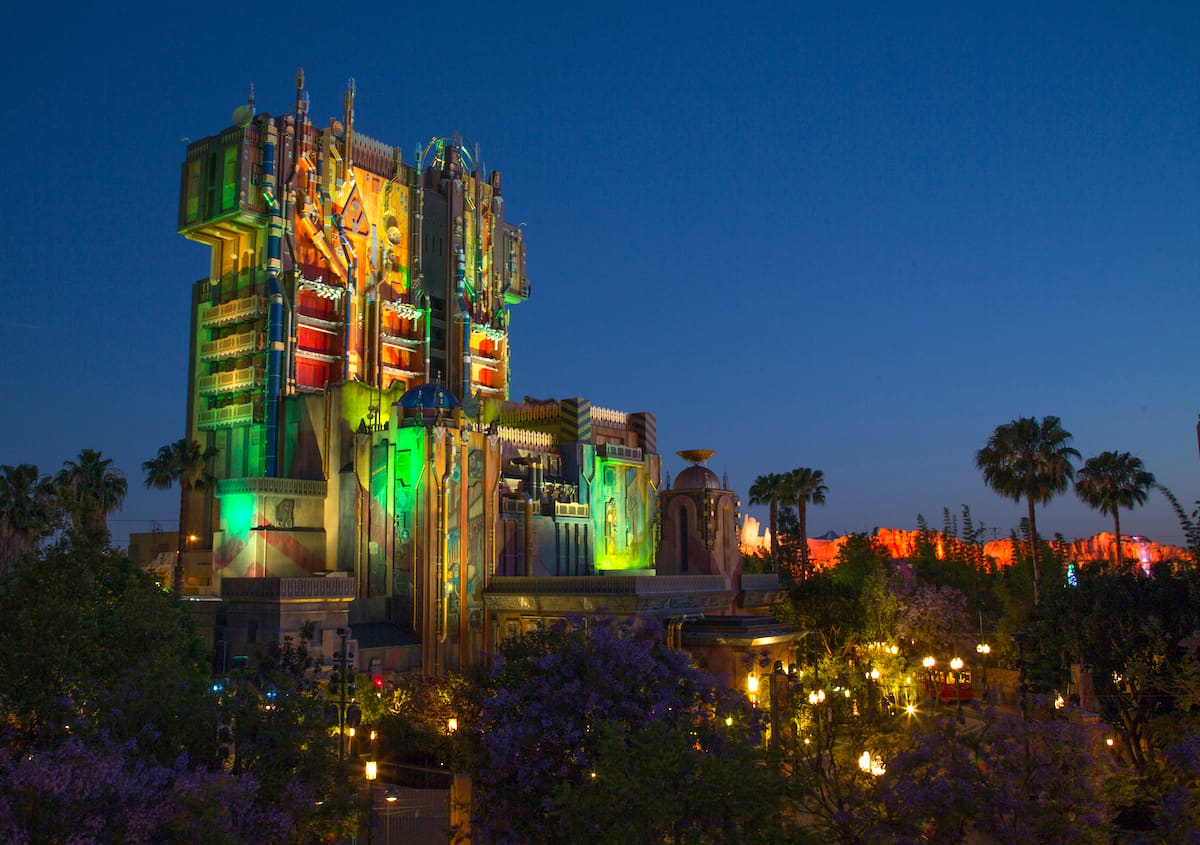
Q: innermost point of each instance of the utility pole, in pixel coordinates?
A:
(340, 680)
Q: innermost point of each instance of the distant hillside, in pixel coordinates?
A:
(902, 545)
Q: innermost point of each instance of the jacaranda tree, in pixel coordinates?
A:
(572, 706)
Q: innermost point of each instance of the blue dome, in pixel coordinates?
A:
(428, 396)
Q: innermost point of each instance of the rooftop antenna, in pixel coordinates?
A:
(349, 102)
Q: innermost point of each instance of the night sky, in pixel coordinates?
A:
(851, 238)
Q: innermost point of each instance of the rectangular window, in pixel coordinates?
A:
(192, 210)
(229, 176)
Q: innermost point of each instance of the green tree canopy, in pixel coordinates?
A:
(1029, 459)
(1111, 481)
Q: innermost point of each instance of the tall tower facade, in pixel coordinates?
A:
(350, 367)
(334, 260)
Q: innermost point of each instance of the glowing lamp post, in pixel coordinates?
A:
(370, 772)
(984, 650)
(956, 665)
(929, 663)
(752, 688)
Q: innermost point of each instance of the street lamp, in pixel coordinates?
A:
(929, 663)
(752, 688)
(956, 664)
(370, 772)
(984, 650)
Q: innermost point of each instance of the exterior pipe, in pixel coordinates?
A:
(275, 310)
(428, 331)
(460, 280)
(443, 579)
(528, 536)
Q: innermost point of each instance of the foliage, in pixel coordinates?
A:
(1136, 633)
(111, 724)
(414, 721)
(1111, 481)
(807, 487)
(930, 618)
(90, 489)
(1190, 525)
(29, 512)
(1019, 781)
(659, 785)
(771, 489)
(858, 558)
(1028, 459)
(99, 793)
(556, 702)
(827, 608)
(186, 464)
(91, 642)
(274, 714)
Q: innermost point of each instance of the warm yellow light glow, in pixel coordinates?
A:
(372, 770)
(728, 721)
(874, 674)
(983, 648)
(871, 764)
(752, 683)
(1059, 702)
(911, 709)
(928, 662)
(451, 724)
(350, 732)
(1109, 742)
(956, 664)
(374, 735)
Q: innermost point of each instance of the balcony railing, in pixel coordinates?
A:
(318, 320)
(232, 346)
(228, 416)
(403, 310)
(397, 340)
(234, 311)
(276, 589)
(243, 378)
(625, 453)
(398, 370)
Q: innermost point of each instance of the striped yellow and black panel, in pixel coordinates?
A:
(575, 420)
(645, 426)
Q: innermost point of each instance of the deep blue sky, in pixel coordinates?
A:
(854, 238)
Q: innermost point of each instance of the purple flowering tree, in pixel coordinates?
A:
(572, 709)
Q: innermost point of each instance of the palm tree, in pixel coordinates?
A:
(770, 490)
(90, 489)
(807, 486)
(185, 463)
(1029, 459)
(1111, 481)
(29, 511)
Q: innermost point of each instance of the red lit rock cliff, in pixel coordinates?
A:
(903, 544)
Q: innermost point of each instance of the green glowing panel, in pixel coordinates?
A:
(237, 515)
(410, 457)
(229, 181)
(619, 514)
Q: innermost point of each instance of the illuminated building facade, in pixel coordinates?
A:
(350, 364)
